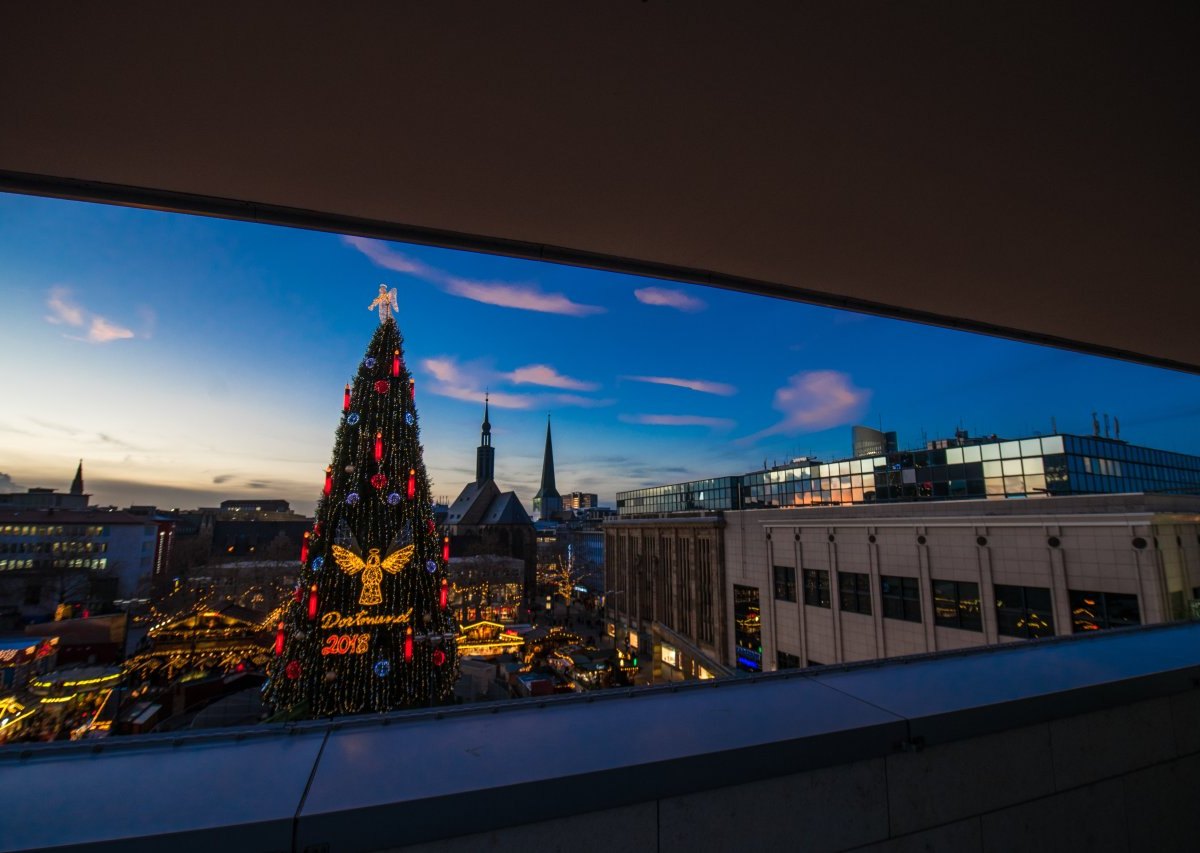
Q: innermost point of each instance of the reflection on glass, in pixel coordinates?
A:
(747, 620)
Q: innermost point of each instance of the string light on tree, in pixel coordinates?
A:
(374, 633)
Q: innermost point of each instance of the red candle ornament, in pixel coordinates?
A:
(412, 389)
(378, 446)
(446, 548)
(396, 363)
(444, 594)
(412, 483)
(346, 398)
(408, 645)
(328, 480)
(279, 640)
(312, 602)
(304, 548)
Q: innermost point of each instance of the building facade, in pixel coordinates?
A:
(665, 586)
(49, 557)
(830, 585)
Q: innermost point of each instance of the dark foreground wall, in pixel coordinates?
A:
(1072, 743)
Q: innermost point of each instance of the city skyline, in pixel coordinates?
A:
(189, 360)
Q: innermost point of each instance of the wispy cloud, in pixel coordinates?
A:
(544, 374)
(102, 331)
(524, 296)
(468, 381)
(63, 309)
(680, 420)
(527, 297)
(66, 311)
(383, 255)
(815, 400)
(704, 386)
(669, 299)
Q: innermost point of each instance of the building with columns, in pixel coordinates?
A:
(831, 585)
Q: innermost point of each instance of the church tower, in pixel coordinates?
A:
(485, 454)
(77, 484)
(547, 503)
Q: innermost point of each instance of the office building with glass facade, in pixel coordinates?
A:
(1053, 465)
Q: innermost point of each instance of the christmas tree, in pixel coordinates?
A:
(368, 628)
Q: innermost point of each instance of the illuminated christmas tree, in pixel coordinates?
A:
(368, 628)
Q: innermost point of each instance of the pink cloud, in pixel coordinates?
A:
(815, 400)
(506, 295)
(102, 331)
(63, 309)
(702, 385)
(524, 296)
(680, 420)
(383, 255)
(669, 299)
(470, 380)
(544, 374)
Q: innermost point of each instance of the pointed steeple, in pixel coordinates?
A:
(485, 454)
(77, 483)
(547, 502)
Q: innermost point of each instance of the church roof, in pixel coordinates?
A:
(507, 509)
(472, 503)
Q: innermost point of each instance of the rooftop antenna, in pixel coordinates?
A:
(1117, 424)
(1095, 426)
(1053, 425)
(1106, 432)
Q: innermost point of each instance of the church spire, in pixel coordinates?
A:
(77, 483)
(547, 502)
(485, 454)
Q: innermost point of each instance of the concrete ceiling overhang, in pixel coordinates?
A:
(1016, 169)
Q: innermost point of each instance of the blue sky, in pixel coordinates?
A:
(188, 360)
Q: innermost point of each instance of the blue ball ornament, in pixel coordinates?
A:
(368, 362)
(431, 567)
(382, 668)
(393, 498)
(408, 418)
(352, 418)
(318, 564)
(352, 498)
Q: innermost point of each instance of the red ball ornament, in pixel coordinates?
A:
(292, 670)
(439, 657)
(379, 481)
(381, 387)
(429, 525)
